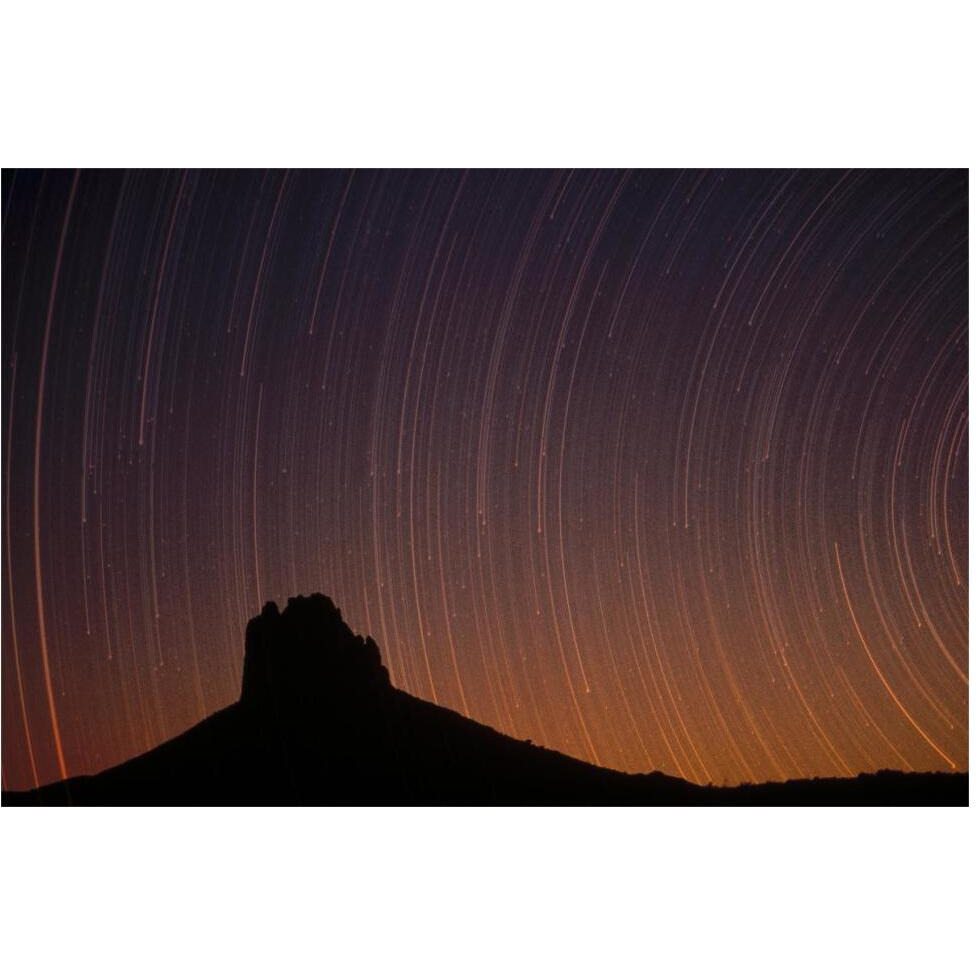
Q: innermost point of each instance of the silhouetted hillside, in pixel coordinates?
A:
(318, 722)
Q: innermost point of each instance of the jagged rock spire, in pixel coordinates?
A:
(307, 652)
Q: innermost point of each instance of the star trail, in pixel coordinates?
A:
(666, 470)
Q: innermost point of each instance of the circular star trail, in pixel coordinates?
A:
(664, 470)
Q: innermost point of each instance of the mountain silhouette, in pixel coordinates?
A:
(319, 722)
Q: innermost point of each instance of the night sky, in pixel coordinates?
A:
(663, 470)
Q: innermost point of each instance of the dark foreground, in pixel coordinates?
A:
(318, 722)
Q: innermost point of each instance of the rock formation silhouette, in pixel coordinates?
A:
(318, 722)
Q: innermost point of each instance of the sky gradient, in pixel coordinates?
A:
(666, 470)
